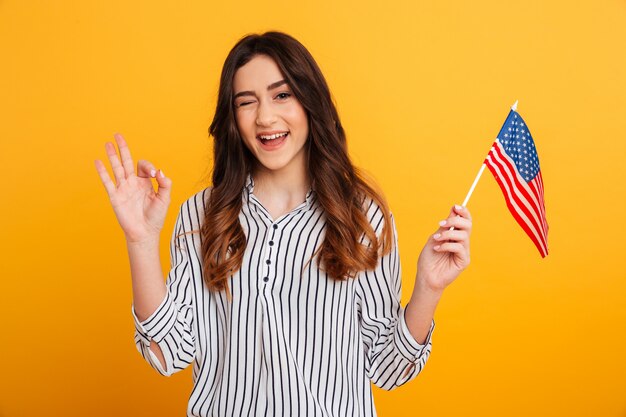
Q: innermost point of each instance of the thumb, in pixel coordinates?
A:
(165, 186)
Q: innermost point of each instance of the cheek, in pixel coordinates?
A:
(298, 117)
(245, 123)
(247, 136)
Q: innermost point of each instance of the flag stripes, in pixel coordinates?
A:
(524, 200)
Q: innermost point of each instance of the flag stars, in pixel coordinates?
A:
(517, 142)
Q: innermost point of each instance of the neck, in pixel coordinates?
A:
(289, 183)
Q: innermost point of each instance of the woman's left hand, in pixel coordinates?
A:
(447, 252)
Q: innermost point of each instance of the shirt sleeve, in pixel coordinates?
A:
(170, 326)
(393, 356)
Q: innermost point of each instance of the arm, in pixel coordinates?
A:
(393, 355)
(420, 312)
(444, 257)
(163, 333)
(140, 212)
(147, 282)
(162, 321)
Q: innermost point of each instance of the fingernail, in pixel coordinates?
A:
(456, 206)
(442, 223)
(161, 173)
(437, 247)
(152, 173)
(437, 235)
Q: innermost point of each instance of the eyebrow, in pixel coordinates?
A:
(269, 87)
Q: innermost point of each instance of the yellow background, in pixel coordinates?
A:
(422, 89)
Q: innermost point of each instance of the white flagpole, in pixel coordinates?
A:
(480, 172)
(469, 194)
(482, 168)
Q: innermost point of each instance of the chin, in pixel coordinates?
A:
(271, 166)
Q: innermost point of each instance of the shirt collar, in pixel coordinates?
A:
(310, 195)
(249, 183)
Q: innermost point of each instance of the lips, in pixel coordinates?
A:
(271, 135)
(271, 141)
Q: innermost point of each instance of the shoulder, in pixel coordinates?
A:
(375, 214)
(191, 211)
(199, 199)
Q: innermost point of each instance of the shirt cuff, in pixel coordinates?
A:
(407, 345)
(159, 323)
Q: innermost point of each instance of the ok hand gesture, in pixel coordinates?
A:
(139, 209)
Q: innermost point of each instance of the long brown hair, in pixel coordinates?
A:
(341, 188)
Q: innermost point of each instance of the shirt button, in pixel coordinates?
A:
(271, 243)
(268, 262)
(266, 279)
(275, 227)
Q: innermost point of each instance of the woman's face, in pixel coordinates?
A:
(272, 122)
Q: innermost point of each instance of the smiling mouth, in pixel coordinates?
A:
(269, 139)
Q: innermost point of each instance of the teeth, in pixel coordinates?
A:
(274, 136)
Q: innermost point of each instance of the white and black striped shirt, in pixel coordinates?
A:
(285, 346)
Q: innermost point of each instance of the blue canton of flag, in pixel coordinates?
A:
(519, 145)
(514, 163)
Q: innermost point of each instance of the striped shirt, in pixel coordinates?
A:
(286, 345)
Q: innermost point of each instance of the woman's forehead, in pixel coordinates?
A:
(257, 74)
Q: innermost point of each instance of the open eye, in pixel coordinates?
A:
(283, 95)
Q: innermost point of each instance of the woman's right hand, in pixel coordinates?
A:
(139, 210)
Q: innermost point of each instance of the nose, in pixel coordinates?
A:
(265, 114)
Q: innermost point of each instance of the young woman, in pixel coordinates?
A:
(284, 289)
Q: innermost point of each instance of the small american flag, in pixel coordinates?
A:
(514, 163)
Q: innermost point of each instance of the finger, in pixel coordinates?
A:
(459, 236)
(461, 211)
(109, 186)
(145, 169)
(457, 250)
(453, 213)
(453, 247)
(127, 160)
(456, 223)
(116, 165)
(165, 187)
(460, 253)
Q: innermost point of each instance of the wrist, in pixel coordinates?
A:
(146, 243)
(426, 296)
(424, 286)
(425, 301)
